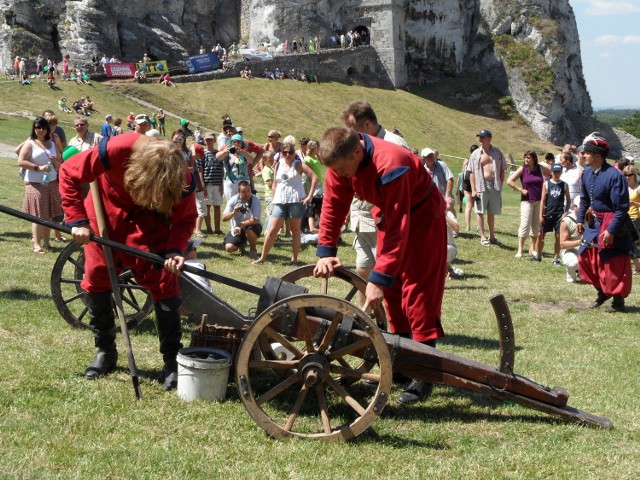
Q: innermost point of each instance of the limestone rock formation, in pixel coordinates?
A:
(528, 49)
(166, 29)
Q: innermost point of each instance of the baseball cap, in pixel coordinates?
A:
(108, 117)
(426, 151)
(142, 118)
(556, 167)
(153, 133)
(484, 133)
(199, 149)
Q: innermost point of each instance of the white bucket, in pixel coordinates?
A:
(203, 374)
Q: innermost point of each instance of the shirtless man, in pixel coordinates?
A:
(487, 166)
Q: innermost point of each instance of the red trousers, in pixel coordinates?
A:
(612, 276)
(414, 303)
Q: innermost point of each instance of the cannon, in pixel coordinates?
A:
(331, 375)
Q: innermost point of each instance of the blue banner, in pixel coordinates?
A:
(203, 63)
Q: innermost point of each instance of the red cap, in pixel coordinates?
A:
(199, 149)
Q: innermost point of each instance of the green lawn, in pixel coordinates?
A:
(55, 424)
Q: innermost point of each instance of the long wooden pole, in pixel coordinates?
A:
(117, 295)
(136, 252)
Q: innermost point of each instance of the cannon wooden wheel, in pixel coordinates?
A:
(303, 397)
(343, 284)
(68, 297)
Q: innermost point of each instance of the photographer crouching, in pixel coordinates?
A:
(243, 211)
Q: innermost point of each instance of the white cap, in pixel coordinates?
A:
(427, 151)
(153, 133)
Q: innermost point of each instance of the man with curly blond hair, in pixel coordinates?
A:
(147, 195)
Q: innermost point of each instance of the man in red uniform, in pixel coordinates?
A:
(147, 197)
(411, 262)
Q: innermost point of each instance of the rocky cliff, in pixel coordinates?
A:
(528, 49)
(125, 29)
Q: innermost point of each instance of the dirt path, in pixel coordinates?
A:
(6, 151)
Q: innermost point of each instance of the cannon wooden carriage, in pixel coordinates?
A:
(330, 375)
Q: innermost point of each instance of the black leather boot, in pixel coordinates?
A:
(102, 323)
(417, 390)
(617, 305)
(170, 335)
(600, 299)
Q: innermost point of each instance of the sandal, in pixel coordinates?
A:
(38, 250)
(485, 242)
(60, 240)
(257, 262)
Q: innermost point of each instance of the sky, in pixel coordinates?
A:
(610, 47)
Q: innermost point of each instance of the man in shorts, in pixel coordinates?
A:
(212, 172)
(243, 211)
(487, 166)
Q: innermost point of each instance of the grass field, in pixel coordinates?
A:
(55, 424)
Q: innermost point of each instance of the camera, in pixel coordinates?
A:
(243, 208)
(233, 150)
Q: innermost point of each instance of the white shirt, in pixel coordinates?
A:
(571, 178)
(289, 187)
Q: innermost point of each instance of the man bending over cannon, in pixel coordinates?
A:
(411, 262)
(147, 195)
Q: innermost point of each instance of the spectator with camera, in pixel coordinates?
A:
(237, 160)
(243, 211)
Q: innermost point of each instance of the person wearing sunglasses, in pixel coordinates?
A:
(273, 143)
(289, 198)
(84, 138)
(40, 159)
(602, 220)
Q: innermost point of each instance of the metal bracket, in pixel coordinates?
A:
(380, 402)
(370, 354)
(320, 332)
(341, 338)
(288, 322)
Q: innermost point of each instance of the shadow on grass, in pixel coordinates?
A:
(472, 342)
(20, 235)
(464, 412)
(21, 294)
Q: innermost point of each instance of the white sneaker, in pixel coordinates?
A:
(572, 276)
(458, 272)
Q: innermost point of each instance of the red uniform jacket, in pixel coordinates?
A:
(127, 222)
(405, 200)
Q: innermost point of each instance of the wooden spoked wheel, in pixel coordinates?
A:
(68, 297)
(303, 396)
(344, 283)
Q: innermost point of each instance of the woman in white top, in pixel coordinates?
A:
(38, 156)
(289, 198)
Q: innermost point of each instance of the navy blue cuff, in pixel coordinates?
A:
(381, 279)
(173, 250)
(78, 223)
(326, 251)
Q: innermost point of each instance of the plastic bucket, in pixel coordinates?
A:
(203, 374)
